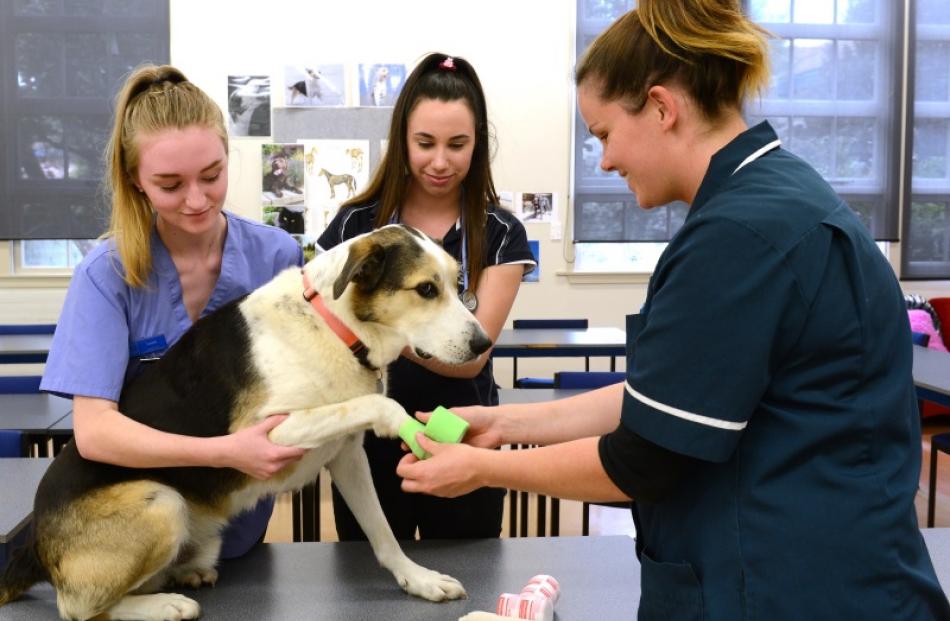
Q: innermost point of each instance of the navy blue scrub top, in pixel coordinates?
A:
(774, 344)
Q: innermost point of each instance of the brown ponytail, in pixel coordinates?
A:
(707, 47)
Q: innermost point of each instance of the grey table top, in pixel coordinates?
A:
(25, 343)
(508, 396)
(599, 578)
(34, 413)
(932, 370)
(20, 478)
(561, 338)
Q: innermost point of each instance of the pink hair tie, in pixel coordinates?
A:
(448, 64)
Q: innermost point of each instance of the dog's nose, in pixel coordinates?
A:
(479, 342)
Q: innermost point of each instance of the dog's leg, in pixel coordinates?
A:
(196, 564)
(317, 426)
(113, 542)
(350, 472)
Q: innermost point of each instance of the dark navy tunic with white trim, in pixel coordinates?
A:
(774, 345)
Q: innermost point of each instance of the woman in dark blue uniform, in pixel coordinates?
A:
(767, 427)
(436, 177)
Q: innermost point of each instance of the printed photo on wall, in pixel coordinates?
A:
(535, 274)
(380, 84)
(506, 200)
(314, 85)
(335, 171)
(249, 105)
(537, 206)
(282, 187)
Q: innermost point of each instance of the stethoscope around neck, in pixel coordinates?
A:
(467, 296)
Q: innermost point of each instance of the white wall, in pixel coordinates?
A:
(523, 52)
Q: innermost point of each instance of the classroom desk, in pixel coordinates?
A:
(525, 343)
(599, 578)
(932, 375)
(552, 343)
(33, 413)
(20, 477)
(24, 348)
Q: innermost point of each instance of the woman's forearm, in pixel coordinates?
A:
(571, 470)
(591, 413)
(104, 434)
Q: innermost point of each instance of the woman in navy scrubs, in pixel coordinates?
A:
(436, 176)
(767, 427)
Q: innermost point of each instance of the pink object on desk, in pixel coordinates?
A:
(921, 321)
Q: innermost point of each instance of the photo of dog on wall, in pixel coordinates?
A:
(380, 84)
(249, 105)
(282, 177)
(314, 85)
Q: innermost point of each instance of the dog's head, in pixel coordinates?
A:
(401, 281)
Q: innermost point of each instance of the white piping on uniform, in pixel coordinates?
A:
(504, 240)
(759, 153)
(695, 418)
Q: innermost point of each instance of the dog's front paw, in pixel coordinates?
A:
(391, 417)
(427, 584)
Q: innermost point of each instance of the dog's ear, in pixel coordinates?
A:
(364, 266)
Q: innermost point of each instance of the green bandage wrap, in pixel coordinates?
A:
(446, 427)
(408, 431)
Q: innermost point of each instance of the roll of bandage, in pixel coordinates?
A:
(530, 607)
(544, 585)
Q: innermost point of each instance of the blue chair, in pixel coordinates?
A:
(12, 443)
(544, 324)
(19, 384)
(27, 328)
(587, 379)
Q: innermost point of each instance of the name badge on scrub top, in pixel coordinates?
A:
(149, 349)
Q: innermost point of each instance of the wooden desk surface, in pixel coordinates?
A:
(33, 413)
(20, 477)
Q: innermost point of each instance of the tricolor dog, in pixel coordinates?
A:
(308, 343)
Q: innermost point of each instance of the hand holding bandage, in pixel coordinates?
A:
(438, 464)
(443, 426)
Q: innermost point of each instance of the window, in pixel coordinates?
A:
(926, 247)
(62, 63)
(833, 100)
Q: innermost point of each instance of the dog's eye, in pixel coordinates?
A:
(427, 290)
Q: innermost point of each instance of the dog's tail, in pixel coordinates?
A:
(23, 571)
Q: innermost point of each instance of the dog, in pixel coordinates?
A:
(109, 538)
(309, 88)
(277, 181)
